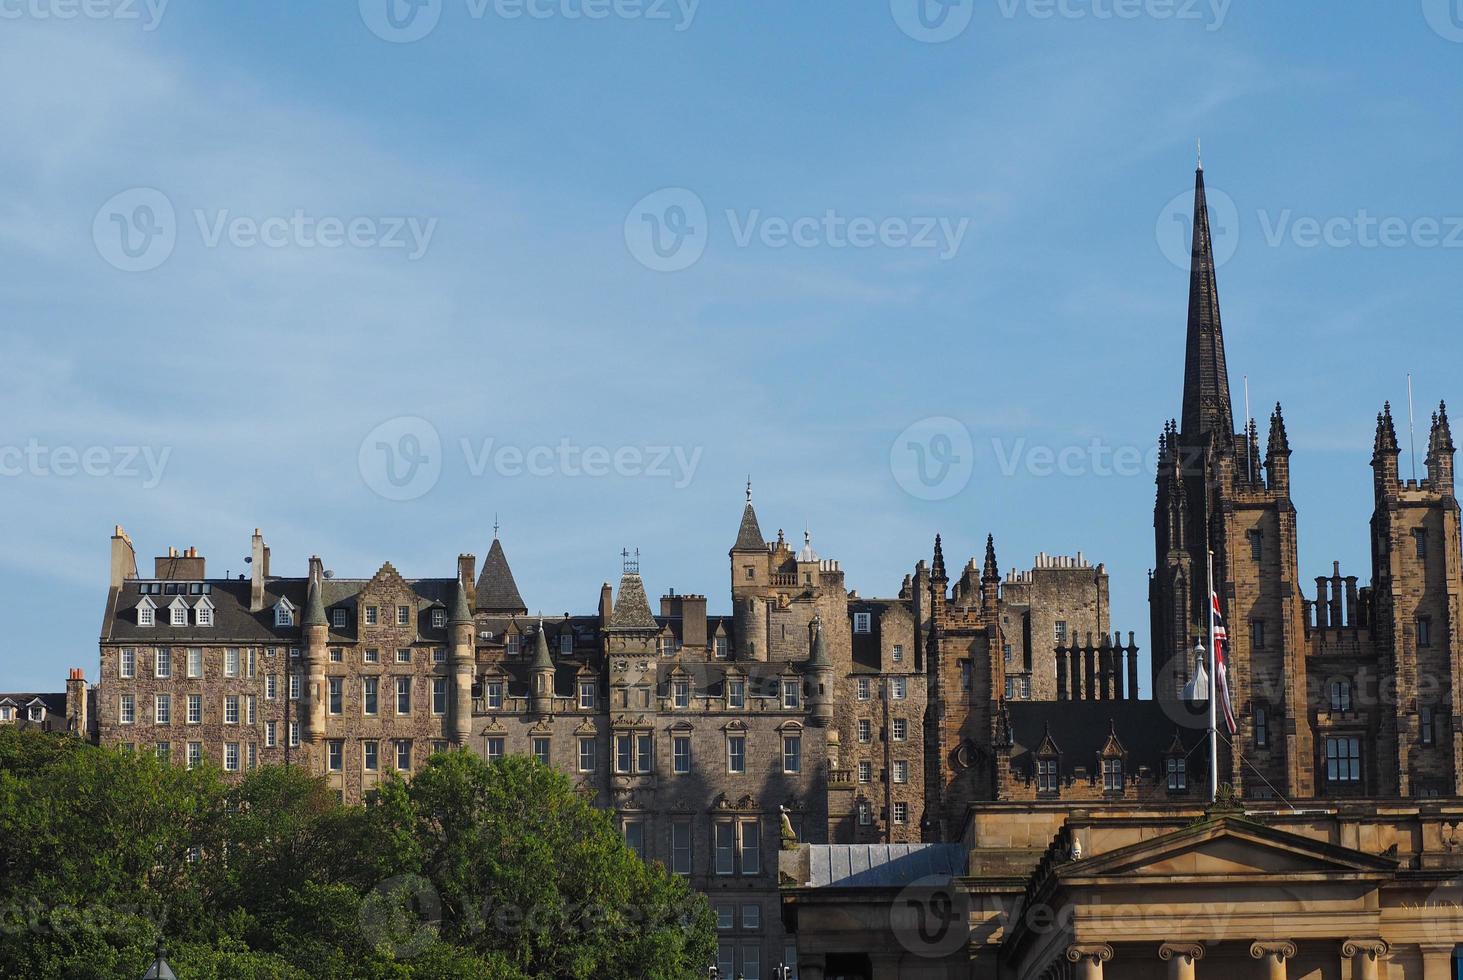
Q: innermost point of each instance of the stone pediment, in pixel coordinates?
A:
(1228, 847)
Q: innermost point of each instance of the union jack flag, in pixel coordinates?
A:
(1221, 664)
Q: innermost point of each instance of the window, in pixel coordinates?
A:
(1419, 539)
(644, 742)
(1007, 653)
(337, 755)
(1425, 725)
(865, 771)
(1059, 632)
(965, 675)
(127, 663)
(1047, 776)
(1257, 544)
(146, 615)
(633, 752)
(271, 687)
(736, 693)
(403, 615)
(588, 756)
(163, 664)
(337, 618)
(370, 694)
(1178, 775)
(195, 709)
(337, 655)
(403, 656)
(681, 750)
(284, 614)
(862, 622)
(863, 688)
(494, 747)
(371, 756)
(900, 729)
(898, 688)
(865, 730)
(566, 643)
(253, 755)
(195, 754)
(195, 662)
(510, 644)
(681, 848)
(790, 694)
(127, 709)
(1112, 775)
(792, 753)
(666, 645)
(1010, 688)
(901, 771)
(635, 837)
(1257, 634)
(495, 694)
(1343, 760)
(898, 654)
(1262, 728)
(337, 697)
(162, 709)
(736, 753)
(439, 655)
(231, 709)
(294, 730)
(372, 656)
(1424, 631)
(372, 615)
(1340, 695)
(751, 961)
(178, 613)
(203, 614)
(439, 745)
(439, 695)
(586, 694)
(231, 663)
(901, 813)
(439, 618)
(725, 960)
(865, 813)
(720, 647)
(269, 735)
(164, 752)
(681, 694)
(1026, 686)
(403, 695)
(403, 754)
(540, 748)
(231, 757)
(751, 847)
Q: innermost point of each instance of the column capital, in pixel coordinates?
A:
(1096, 952)
(1371, 948)
(1189, 951)
(1283, 949)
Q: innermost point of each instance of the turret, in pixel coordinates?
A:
(1440, 450)
(1385, 453)
(750, 569)
(541, 674)
(317, 638)
(820, 679)
(990, 580)
(464, 658)
(1277, 454)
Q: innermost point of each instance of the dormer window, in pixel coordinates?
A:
(439, 618)
(566, 644)
(203, 612)
(1112, 775)
(146, 615)
(1178, 774)
(1048, 775)
(337, 618)
(510, 643)
(862, 622)
(36, 713)
(284, 613)
(178, 612)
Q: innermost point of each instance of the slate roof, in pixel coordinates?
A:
(632, 606)
(749, 535)
(882, 865)
(1081, 729)
(55, 705)
(497, 592)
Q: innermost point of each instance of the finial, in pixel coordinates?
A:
(495, 526)
(631, 563)
(749, 488)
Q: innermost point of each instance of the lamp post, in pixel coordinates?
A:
(159, 970)
(782, 972)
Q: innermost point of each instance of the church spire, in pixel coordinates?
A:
(1206, 376)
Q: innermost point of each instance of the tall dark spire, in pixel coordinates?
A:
(1206, 376)
(749, 534)
(1279, 440)
(991, 571)
(937, 566)
(496, 591)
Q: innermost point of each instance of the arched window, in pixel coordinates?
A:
(1341, 695)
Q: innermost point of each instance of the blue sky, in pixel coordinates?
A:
(364, 233)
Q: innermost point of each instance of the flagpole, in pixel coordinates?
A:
(1213, 691)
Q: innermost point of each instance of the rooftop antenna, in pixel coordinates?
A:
(1411, 429)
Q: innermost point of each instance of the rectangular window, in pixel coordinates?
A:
(901, 813)
(249, 663)
(644, 743)
(736, 694)
(510, 644)
(1178, 775)
(163, 665)
(231, 663)
(371, 656)
(439, 618)
(865, 814)
(726, 848)
(439, 745)
(736, 753)
(146, 616)
(720, 647)
(162, 709)
(1424, 631)
(403, 656)
(195, 662)
(372, 615)
(1112, 775)
(865, 730)
(1046, 776)
(681, 847)
(269, 735)
(164, 752)
(337, 655)
(1059, 632)
(624, 753)
(1257, 634)
(494, 748)
(337, 694)
(751, 841)
(403, 754)
(231, 757)
(789, 695)
(901, 771)
(541, 749)
(371, 756)
(439, 695)
(195, 754)
(1341, 695)
(253, 755)
(862, 622)
(403, 615)
(294, 734)
(681, 694)
(863, 688)
(588, 756)
(865, 771)
(1257, 545)
(1425, 725)
(195, 709)
(898, 654)
(1010, 688)
(249, 709)
(271, 687)
(495, 694)
(792, 753)
(566, 643)
(337, 618)
(127, 709)
(898, 688)
(1262, 728)
(635, 837)
(751, 961)
(1419, 538)
(1343, 760)
(180, 613)
(127, 663)
(1007, 653)
(899, 729)
(681, 749)
(370, 695)
(726, 952)
(403, 695)
(1026, 687)
(439, 655)
(586, 695)
(337, 755)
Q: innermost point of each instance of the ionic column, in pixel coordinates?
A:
(1089, 959)
(1274, 954)
(1181, 958)
(1364, 955)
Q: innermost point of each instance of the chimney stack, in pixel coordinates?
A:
(258, 570)
(124, 557)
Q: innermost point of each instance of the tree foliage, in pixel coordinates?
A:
(469, 870)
